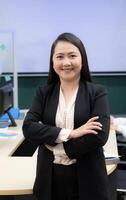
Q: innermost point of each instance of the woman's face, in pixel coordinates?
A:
(67, 61)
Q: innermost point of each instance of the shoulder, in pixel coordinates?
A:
(46, 89)
(43, 89)
(96, 89)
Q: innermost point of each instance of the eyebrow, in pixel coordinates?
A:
(67, 53)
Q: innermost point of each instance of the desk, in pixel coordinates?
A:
(111, 148)
(9, 145)
(17, 174)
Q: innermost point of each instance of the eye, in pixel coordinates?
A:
(73, 56)
(59, 57)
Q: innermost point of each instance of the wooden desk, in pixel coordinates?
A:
(111, 148)
(9, 145)
(17, 174)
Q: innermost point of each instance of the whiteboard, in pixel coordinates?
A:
(101, 25)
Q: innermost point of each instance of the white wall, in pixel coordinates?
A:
(101, 25)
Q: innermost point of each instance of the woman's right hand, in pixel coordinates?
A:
(90, 127)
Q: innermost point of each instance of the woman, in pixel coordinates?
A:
(69, 119)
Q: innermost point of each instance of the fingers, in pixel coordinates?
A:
(91, 132)
(95, 126)
(91, 127)
(93, 119)
(95, 123)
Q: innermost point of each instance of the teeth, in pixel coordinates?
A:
(67, 68)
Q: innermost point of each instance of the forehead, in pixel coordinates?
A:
(65, 47)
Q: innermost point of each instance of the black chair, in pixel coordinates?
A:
(121, 168)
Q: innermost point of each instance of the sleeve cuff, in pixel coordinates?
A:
(59, 150)
(49, 147)
(63, 135)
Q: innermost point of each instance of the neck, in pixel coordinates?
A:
(69, 86)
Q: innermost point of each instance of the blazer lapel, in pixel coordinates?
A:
(51, 105)
(82, 106)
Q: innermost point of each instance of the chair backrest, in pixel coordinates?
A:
(121, 167)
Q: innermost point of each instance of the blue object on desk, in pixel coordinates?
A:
(15, 112)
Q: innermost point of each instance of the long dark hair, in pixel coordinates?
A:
(71, 38)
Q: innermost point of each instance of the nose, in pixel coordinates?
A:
(66, 61)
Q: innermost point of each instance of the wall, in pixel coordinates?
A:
(115, 84)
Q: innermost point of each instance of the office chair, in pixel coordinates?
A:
(121, 168)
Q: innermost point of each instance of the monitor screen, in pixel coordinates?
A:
(6, 101)
(6, 98)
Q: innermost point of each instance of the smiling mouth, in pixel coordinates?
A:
(67, 68)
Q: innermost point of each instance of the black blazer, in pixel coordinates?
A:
(39, 127)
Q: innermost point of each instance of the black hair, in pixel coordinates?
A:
(71, 38)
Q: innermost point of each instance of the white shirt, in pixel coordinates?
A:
(64, 120)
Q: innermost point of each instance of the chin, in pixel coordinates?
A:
(68, 79)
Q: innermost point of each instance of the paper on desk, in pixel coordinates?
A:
(3, 130)
(8, 134)
(4, 124)
(111, 159)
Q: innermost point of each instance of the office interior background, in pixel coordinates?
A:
(28, 28)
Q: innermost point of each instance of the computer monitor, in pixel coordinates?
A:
(6, 101)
